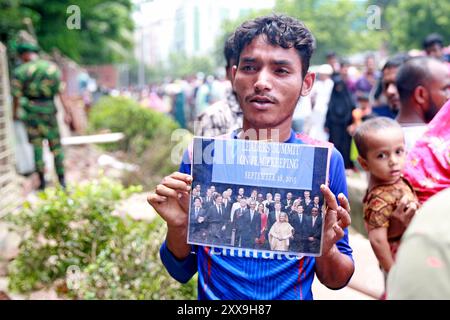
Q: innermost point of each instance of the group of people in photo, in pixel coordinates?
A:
(282, 221)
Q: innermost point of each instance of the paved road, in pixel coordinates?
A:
(367, 282)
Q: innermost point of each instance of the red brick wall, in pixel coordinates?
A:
(106, 75)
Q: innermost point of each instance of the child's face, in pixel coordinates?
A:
(365, 107)
(385, 158)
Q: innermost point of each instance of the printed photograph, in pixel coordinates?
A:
(257, 195)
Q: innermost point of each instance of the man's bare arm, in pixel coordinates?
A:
(334, 269)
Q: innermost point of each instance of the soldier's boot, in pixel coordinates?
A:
(41, 181)
(62, 181)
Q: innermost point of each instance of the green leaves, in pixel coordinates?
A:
(102, 38)
(337, 25)
(140, 125)
(115, 257)
(411, 21)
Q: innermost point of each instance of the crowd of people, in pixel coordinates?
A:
(344, 94)
(392, 122)
(288, 221)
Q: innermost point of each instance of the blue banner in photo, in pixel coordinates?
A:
(267, 164)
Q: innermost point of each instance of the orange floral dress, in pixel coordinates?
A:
(379, 204)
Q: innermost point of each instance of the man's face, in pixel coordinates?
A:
(435, 51)
(289, 196)
(344, 71)
(390, 89)
(316, 200)
(334, 63)
(365, 107)
(438, 90)
(219, 200)
(370, 65)
(27, 56)
(197, 203)
(277, 206)
(306, 194)
(268, 83)
(314, 212)
(241, 191)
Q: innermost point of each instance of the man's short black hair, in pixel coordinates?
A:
(344, 62)
(432, 39)
(229, 52)
(331, 54)
(362, 96)
(369, 56)
(279, 30)
(396, 61)
(413, 73)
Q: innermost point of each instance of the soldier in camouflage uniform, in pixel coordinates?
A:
(35, 84)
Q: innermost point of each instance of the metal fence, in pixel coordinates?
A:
(8, 179)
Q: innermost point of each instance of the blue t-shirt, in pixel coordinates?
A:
(231, 274)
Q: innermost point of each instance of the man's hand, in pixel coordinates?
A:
(16, 108)
(402, 216)
(351, 129)
(67, 118)
(337, 218)
(67, 112)
(171, 199)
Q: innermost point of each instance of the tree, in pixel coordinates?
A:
(338, 25)
(179, 65)
(104, 35)
(409, 22)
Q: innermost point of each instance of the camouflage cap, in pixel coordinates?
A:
(26, 43)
